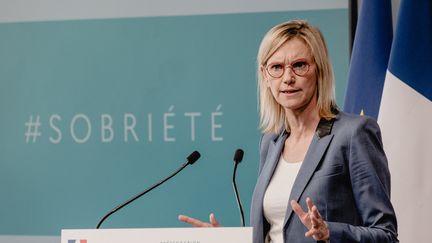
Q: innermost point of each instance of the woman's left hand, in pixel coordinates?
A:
(312, 219)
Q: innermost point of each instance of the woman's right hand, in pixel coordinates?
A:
(199, 223)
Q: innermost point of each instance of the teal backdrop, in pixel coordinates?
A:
(95, 111)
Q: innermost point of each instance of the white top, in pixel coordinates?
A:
(276, 198)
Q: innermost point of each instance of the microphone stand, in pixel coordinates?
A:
(191, 159)
(237, 159)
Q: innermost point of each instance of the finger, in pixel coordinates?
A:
(315, 212)
(311, 232)
(193, 222)
(315, 222)
(319, 233)
(314, 215)
(213, 220)
(315, 233)
(297, 209)
(309, 203)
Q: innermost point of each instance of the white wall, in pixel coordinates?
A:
(42, 10)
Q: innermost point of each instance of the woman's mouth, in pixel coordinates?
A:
(290, 91)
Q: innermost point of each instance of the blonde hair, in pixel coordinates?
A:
(272, 114)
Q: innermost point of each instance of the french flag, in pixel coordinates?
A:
(402, 102)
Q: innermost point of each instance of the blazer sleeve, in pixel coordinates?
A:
(370, 179)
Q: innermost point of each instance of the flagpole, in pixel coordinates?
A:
(353, 10)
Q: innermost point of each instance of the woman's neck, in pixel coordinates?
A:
(303, 122)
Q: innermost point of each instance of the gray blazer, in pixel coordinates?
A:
(345, 172)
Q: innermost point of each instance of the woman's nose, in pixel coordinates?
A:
(288, 75)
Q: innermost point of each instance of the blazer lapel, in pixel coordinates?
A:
(275, 148)
(316, 150)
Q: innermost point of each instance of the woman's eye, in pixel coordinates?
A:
(276, 67)
(299, 65)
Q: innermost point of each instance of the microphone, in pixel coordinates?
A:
(238, 156)
(194, 156)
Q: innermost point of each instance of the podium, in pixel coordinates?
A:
(159, 235)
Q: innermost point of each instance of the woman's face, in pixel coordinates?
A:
(291, 91)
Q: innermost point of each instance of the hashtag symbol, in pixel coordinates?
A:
(32, 129)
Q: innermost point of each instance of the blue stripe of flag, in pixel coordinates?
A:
(369, 59)
(411, 54)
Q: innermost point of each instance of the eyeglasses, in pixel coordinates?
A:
(277, 70)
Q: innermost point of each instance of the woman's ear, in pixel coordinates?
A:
(264, 75)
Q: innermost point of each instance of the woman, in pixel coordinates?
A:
(323, 174)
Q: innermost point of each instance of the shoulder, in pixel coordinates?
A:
(265, 141)
(352, 123)
(266, 138)
(356, 129)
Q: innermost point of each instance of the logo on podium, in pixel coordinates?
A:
(77, 241)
